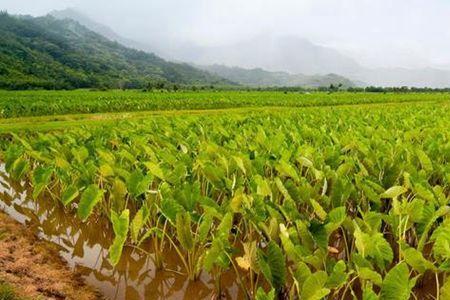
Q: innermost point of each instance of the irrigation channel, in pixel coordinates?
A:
(85, 248)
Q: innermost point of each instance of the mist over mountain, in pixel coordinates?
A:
(261, 78)
(273, 53)
(276, 53)
(202, 57)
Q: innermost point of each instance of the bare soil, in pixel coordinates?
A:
(34, 268)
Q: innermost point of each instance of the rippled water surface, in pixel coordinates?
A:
(84, 247)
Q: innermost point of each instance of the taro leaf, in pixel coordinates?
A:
(291, 251)
(425, 161)
(369, 274)
(138, 222)
(261, 295)
(314, 287)
(204, 228)
(416, 260)
(396, 284)
(80, 154)
(429, 218)
(118, 194)
(106, 170)
(11, 155)
(273, 265)
(69, 194)
(373, 246)
(240, 163)
(302, 272)
(263, 187)
(338, 277)
(184, 234)
(445, 289)
(216, 255)
(41, 178)
(138, 184)
(155, 169)
(369, 294)
(170, 208)
(319, 234)
(120, 227)
(335, 218)
(19, 168)
(286, 169)
(441, 238)
(318, 209)
(393, 192)
(89, 199)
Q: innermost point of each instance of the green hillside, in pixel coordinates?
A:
(61, 54)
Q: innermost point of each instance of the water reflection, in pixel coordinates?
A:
(84, 246)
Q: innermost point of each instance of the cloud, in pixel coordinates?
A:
(383, 32)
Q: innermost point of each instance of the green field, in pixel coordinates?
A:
(40, 103)
(302, 196)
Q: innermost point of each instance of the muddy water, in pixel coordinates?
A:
(84, 247)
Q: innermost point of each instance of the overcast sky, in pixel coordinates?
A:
(403, 33)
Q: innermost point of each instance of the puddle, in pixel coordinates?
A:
(84, 246)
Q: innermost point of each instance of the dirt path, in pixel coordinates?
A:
(34, 269)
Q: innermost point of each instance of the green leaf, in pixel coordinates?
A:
(137, 183)
(318, 210)
(89, 199)
(286, 169)
(373, 246)
(69, 194)
(425, 161)
(396, 285)
(314, 287)
(20, 167)
(441, 238)
(274, 266)
(184, 234)
(369, 274)
(369, 294)
(338, 277)
(155, 169)
(41, 178)
(261, 295)
(138, 222)
(393, 192)
(416, 260)
(204, 227)
(120, 227)
(118, 194)
(445, 289)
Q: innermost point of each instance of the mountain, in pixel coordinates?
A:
(46, 52)
(76, 15)
(299, 56)
(287, 54)
(261, 78)
(276, 54)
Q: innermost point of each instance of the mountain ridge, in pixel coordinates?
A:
(258, 77)
(45, 52)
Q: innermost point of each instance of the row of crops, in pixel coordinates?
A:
(334, 202)
(39, 103)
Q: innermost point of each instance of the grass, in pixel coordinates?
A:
(7, 292)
